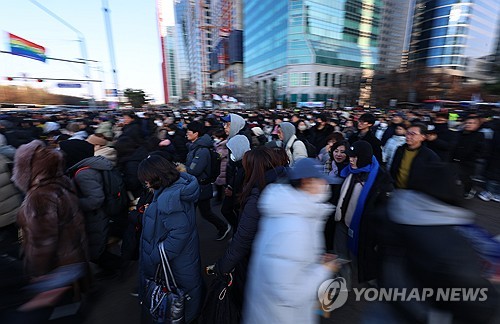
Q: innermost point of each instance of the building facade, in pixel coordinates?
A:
(226, 58)
(311, 50)
(455, 37)
(395, 34)
(194, 25)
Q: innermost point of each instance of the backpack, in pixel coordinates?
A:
(311, 149)
(115, 194)
(215, 162)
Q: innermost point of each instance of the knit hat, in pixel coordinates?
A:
(309, 168)
(288, 130)
(76, 150)
(257, 131)
(96, 140)
(363, 151)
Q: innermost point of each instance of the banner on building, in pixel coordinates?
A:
(22, 47)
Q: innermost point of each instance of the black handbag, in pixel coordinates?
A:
(165, 302)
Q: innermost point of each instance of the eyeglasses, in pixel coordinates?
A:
(412, 134)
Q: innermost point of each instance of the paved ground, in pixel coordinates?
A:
(111, 302)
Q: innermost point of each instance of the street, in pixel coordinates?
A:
(110, 300)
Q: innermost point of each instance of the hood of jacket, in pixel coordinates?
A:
(410, 207)
(288, 131)
(282, 200)
(237, 124)
(204, 141)
(186, 189)
(94, 162)
(34, 164)
(238, 145)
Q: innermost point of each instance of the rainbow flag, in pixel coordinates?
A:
(22, 47)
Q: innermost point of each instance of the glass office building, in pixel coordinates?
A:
(310, 50)
(455, 35)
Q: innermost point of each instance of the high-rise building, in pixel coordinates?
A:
(454, 36)
(395, 33)
(174, 83)
(226, 59)
(194, 24)
(311, 50)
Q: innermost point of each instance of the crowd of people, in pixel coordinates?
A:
(297, 190)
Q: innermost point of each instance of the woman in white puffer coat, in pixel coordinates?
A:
(286, 267)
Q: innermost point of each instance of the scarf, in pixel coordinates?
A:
(372, 170)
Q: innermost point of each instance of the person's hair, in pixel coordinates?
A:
(220, 133)
(336, 136)
(322, 117)
(130, 114)
(158, 171)
(442, 114)
(421, 126)
(197, 127)
(367, 117)
(255, 163)
(280, 156)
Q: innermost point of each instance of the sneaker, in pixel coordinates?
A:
(485, 196)
(222, 234)
(471, 194)
(495, 198)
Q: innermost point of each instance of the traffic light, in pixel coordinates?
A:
(10, 78)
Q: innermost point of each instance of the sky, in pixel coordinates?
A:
(135, 37)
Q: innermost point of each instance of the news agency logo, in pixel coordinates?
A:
(332, 294)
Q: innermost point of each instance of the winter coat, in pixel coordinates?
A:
(285, 267)
(390, 148)
(134, 131)
(444, 142)
(198, 164)
(492, 171)
(51, 222)
(88, 180)
(370, 138)
(9, 195)
(469, 147)
(299, 150)
(221, 148)
(319, 136)
(239, 249)
(423, 157)
(129, 159)
(422, 248)
(171, 219)
(179, 141)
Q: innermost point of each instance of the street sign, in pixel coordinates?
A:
(111, 92)
(69, 85)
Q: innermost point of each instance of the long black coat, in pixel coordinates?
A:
(493, 155)
(88, 180)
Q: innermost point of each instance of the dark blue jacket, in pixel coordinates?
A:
(171, 219)
(198, 163)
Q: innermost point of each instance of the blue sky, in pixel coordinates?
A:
(135, 33)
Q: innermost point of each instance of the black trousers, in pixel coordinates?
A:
(207, 213)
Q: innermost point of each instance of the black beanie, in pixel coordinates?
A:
(363, 151)
(76, 150)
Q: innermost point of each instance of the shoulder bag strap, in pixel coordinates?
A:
(166, 266)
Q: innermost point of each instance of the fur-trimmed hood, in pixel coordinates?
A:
(34, 164)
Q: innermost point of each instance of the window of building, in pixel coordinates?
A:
(341, 79)
(294, 79)
(333, 80)
(318, 79)
(325, 81)
(306, 79)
